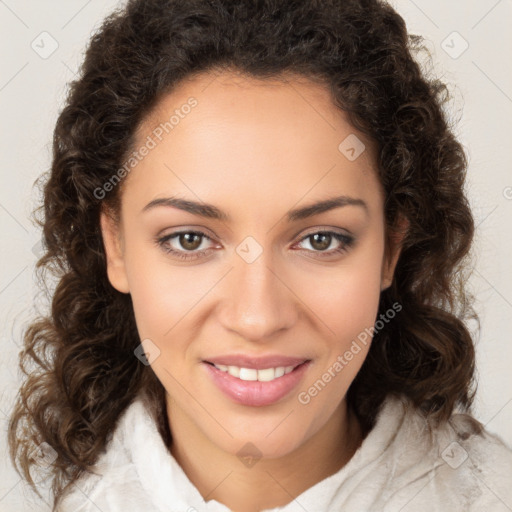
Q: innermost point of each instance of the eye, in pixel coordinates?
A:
(320, 241)
(182, 242)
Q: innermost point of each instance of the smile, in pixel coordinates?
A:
(251, 374)
(256, 387)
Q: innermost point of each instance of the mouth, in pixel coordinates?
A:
(256, 374)
(256, 387)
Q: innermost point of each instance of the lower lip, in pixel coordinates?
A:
(255, 393)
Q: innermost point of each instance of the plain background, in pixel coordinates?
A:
(471, 43)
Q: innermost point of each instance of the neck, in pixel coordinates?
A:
(221, 476)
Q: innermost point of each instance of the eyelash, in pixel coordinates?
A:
(346, 242)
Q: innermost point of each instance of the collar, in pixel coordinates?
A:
(163, 478)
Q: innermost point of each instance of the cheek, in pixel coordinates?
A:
(345, 299)
(346, 305)
(161, 295)
(348, 308)
(353, 302)
(162, 299)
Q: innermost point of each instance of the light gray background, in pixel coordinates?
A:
(32, 90)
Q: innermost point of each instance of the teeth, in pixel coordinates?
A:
(234, 370)
(248, 374)
(264, 375)
(280, 371)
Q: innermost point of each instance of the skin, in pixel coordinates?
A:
(255, 149)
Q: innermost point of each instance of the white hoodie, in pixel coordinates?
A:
(399, 467)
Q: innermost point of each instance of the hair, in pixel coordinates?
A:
(78, 360)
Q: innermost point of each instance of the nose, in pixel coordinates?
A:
(257, 302)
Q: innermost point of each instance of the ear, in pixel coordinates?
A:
(393, 250)
(112, 241)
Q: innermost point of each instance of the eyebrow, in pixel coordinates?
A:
(212, 212)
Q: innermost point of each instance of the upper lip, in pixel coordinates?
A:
(256, 363)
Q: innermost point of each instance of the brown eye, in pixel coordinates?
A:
(320, 241)
(190, 241)
(185, 245)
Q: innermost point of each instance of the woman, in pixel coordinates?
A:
(257, 220)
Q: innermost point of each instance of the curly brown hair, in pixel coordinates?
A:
(80, 371)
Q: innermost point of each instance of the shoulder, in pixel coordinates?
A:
(113, 483)
(477, 462)
(456, 465)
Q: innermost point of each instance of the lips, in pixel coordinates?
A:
(256, 393)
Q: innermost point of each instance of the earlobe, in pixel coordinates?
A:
(388, 269)
(116, 270)
(392, 252)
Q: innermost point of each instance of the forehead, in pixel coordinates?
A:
(301, 103)
(282, 137)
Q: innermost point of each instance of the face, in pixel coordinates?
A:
(228, 262)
